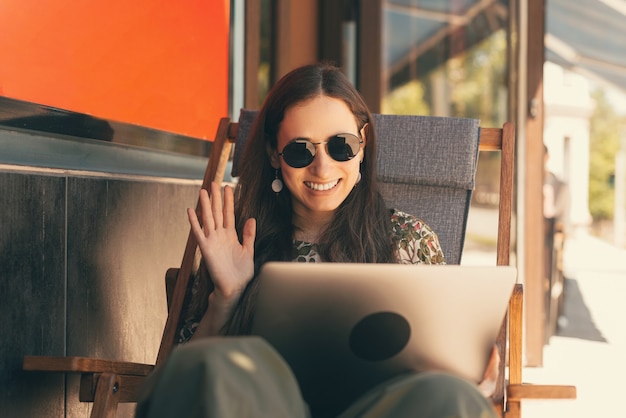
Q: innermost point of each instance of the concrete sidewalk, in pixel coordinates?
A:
(589, 350)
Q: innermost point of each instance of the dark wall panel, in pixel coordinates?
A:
(122, 237)
(82, 266)
(32, 290)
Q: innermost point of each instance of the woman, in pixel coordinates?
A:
(307, 192)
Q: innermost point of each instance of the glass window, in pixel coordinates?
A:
(265, 57)
(449, 58)
(445, 58)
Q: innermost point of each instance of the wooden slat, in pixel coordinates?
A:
(225, 150)
(498, 409)
(129, 387)
(233, 129)
(221, 140)
(490, 139)
(505, 206)
(84, 365)
(514, 410)
(107, 396)
(519, 392)
(173, 318)
(516, 314)
(516, 304)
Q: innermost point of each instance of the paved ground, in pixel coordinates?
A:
(589, 350)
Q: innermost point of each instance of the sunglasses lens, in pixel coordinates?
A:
(343, 147)
(299, 154)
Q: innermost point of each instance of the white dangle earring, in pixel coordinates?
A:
(358, 178)
(277, 184)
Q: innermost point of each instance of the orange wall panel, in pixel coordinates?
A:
(155, 63)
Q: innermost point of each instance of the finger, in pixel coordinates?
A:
(216, 205)
(208, 222)
(229, 207)
(196, 229)
(249, 234)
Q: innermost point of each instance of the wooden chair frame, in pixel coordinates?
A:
(108, 382)
(509, 394)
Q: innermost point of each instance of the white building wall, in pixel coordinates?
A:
(568, 107)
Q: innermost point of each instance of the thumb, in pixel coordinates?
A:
(249, 234)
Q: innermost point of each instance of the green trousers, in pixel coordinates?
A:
(243, 377)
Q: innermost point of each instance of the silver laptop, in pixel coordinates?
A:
(344, 328)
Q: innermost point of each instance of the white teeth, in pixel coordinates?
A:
(321, 187)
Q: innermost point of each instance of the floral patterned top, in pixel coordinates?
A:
(417, 243)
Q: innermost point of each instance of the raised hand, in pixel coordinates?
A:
(230, 263)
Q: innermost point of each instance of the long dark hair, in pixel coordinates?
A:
(360, 230)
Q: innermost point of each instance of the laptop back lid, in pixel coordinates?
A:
(344, 327)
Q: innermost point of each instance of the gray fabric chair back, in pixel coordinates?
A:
(426, 167)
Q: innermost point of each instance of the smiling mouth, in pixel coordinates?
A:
(321, 186)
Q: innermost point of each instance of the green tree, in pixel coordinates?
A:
(605, 132)
(407, 99)
(478, 81)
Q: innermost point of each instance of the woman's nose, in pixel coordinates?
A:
(322, 161)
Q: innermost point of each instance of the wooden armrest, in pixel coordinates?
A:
(531, 391)
(84, 365)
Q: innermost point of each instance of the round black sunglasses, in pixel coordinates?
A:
(341, 147)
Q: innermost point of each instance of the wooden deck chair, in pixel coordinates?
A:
(106, 382)
(438, 188)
